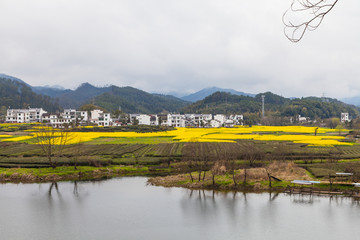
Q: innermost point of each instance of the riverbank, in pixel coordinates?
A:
(257, 180)
(181, 181)
(69, 173)
(254, 179)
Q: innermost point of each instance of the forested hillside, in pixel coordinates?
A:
(133, 100)
(17, 94)
(312, 107)
(82, 95)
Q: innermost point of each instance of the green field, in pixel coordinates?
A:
(163, 155)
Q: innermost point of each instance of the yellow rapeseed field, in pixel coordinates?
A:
(296, 134)
(5, 136)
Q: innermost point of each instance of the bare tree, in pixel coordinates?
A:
(251, 153)
(268, 173)
(77, 152)
(197, 157)
(218, 168)
(229, 156)
(188, 155)
(305, 15)
(52, 142)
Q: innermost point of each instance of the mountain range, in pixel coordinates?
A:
(16, 93)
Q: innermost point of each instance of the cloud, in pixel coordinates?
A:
(168, 45)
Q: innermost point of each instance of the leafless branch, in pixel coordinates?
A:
(52, 142)
(305, 15)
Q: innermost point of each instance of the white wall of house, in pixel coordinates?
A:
(215, 123)
(221, 118)
(96, 114)
(176, 120)
(345, 117)
(83, 115)
(229, 123)
(104, 120)
(143, 119)
(25, 115)
(60, 122)
(69, 114)
(207, 117)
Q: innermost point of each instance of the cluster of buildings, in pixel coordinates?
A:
(68, 118)
(187, 120)
(72, 117)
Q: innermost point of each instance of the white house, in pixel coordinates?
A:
(58, 122)
(100, 118)
(216, 123)
(301, 119)
(80, 116)
(68, 118)
(221, 118)
(238, 119)
(143, 119)
(345, 117)
(176, 120)
(193, 120)
(105, 120)
(25, 115)
(95, 114)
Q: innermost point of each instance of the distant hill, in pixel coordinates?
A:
(4, 76)
(352, 100)
(312, 107)
(133, 100)
(208, 91)
(15, 93)
(80, 96)
(130, 99)
(51, 91)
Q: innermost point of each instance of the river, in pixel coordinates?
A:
(127, 208)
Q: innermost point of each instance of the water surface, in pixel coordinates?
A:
(126, 208)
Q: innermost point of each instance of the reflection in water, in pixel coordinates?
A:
(126, 208)
(52, 185)
(273, 196)
(303, 199)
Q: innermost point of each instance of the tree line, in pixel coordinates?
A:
(275, 106)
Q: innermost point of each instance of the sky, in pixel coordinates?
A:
(179, 46)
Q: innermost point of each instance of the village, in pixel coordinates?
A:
(72, 118)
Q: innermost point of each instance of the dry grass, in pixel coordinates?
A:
(286, 171)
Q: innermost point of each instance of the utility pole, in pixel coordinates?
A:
(263, 105)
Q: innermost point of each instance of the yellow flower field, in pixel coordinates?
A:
(5, 136)
(296, 134)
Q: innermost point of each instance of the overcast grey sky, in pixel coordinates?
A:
(183, 46)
